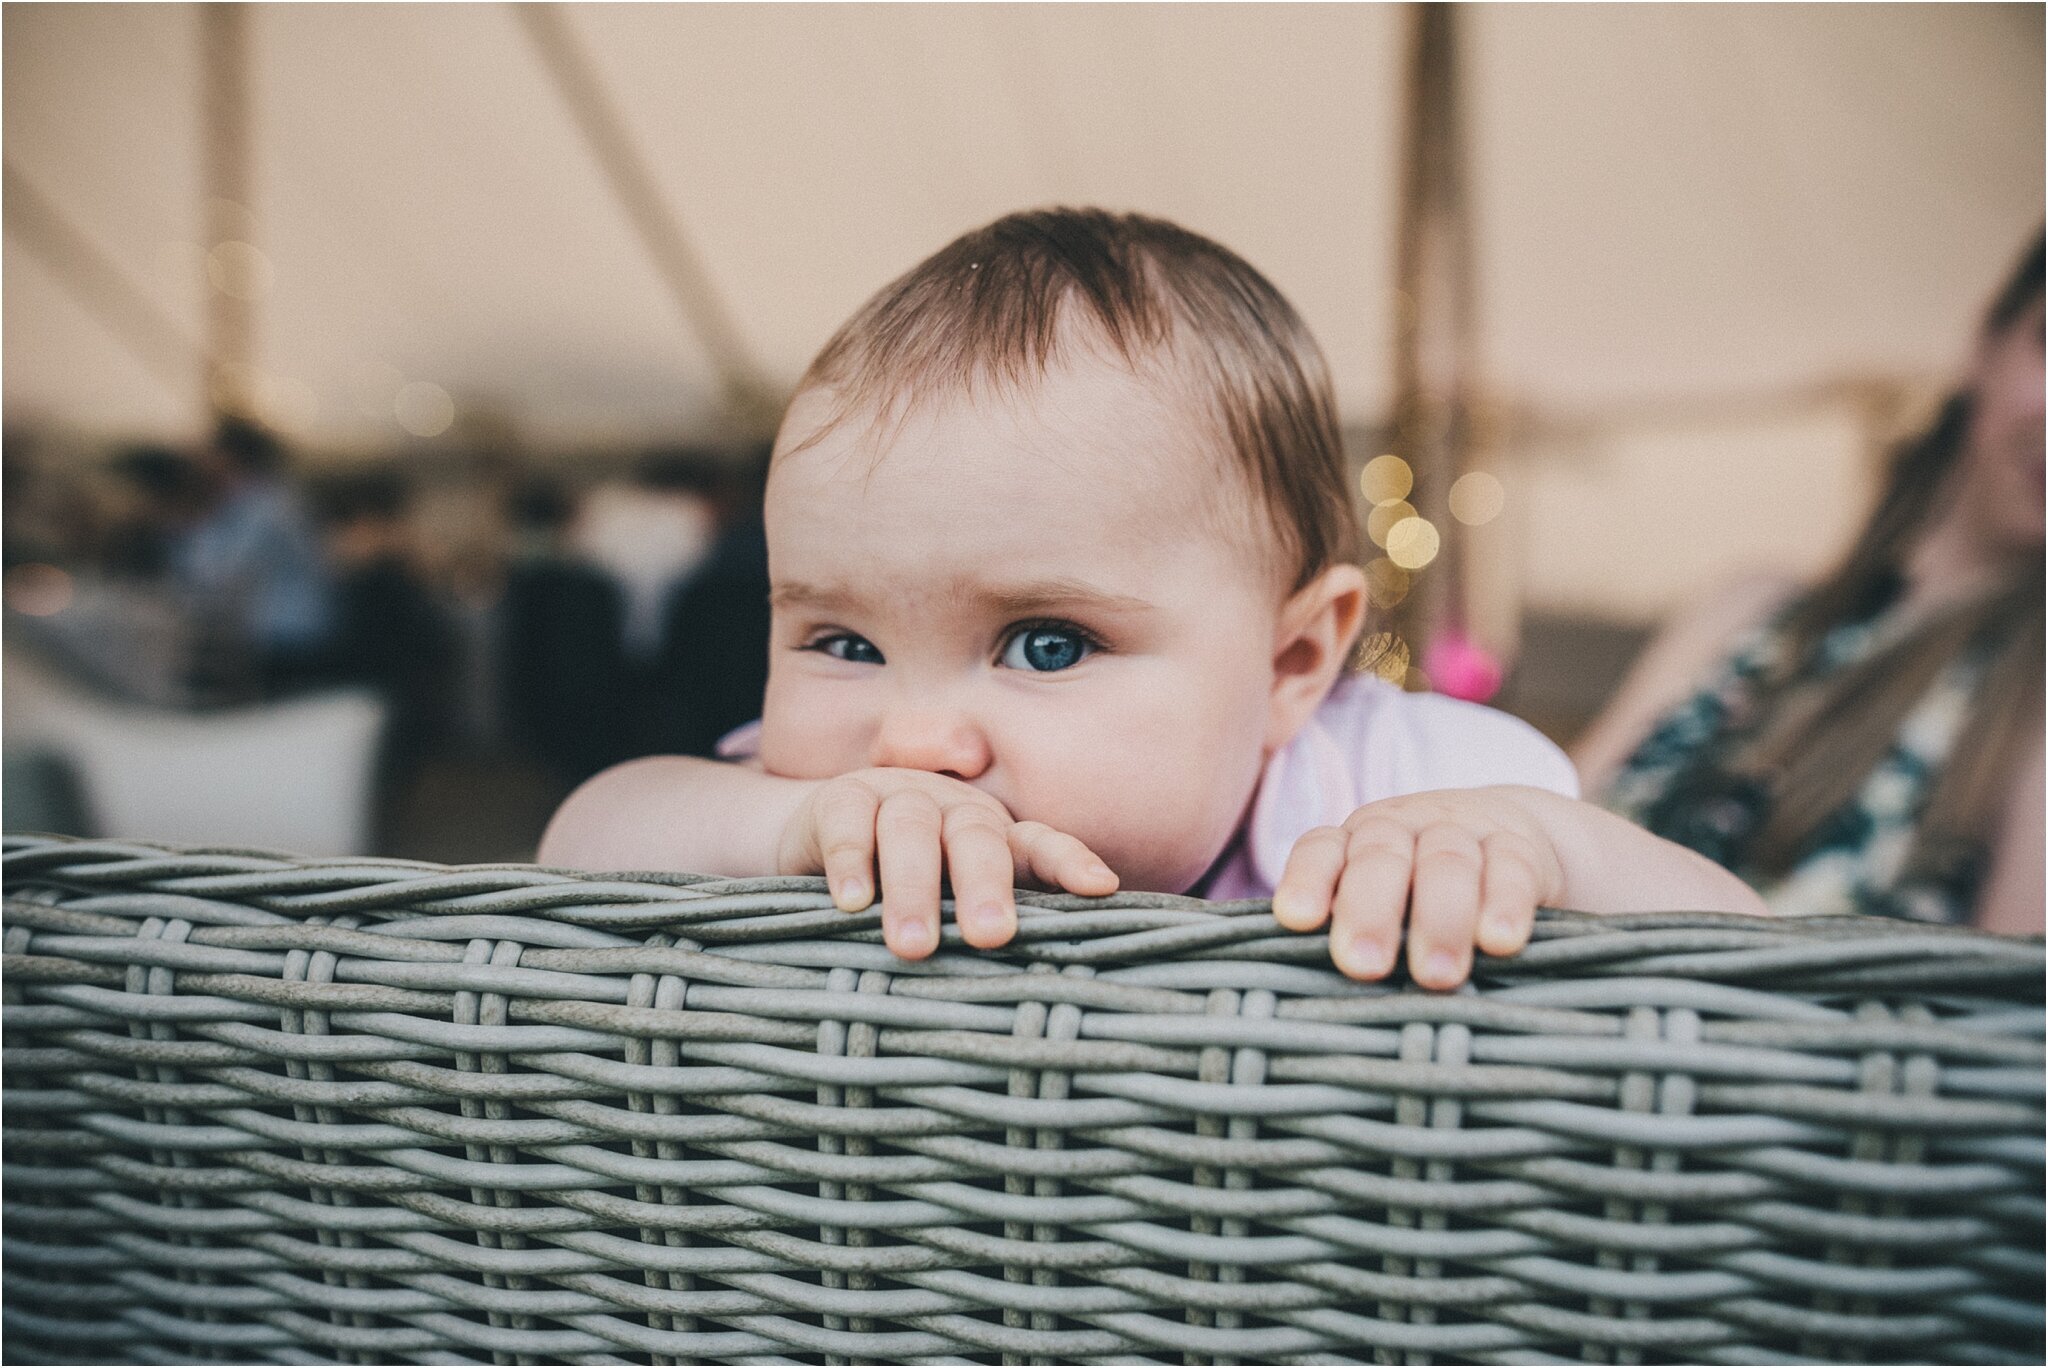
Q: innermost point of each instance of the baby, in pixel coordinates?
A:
(1064, 594)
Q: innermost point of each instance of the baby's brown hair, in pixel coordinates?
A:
(996, 308)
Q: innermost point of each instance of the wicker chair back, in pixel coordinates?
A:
(261, 1109)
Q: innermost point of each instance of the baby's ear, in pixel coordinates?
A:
(1319, 623)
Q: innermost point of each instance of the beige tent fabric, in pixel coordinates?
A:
(1674, 201)
(1702, 231)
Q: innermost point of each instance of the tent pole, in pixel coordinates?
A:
(741, 378)
(1434, 334)
(224, 151)
(100, 286)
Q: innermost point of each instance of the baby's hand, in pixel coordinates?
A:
(1465, 867)
(910, 824)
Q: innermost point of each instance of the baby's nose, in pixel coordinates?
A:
(936, 742)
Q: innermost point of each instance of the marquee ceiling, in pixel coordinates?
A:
(1674, 202)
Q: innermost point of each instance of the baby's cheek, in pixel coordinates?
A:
(804, 736)
(1158, 826)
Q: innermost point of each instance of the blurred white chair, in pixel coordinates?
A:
(292, 776)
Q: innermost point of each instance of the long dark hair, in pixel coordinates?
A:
(1825, 735)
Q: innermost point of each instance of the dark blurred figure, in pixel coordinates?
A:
(168, 494)
(251, 567)
(713, 665)
(561, 645)
(49, 518)
(390, 634)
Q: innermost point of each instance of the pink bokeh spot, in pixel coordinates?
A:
(1460, 667)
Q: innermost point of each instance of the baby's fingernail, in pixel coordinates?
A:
(853, 895)
(1369, 957)
(1292, 909)
(1441, 966)
(987, 919)
(913, 940)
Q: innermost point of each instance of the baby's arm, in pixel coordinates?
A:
(1469, 867)
(675, 812)
(709, 817)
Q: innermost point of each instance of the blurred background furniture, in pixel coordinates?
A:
(292, 775)
(264, 1109)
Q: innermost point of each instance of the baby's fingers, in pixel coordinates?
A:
(845, 836)
(1444, 908)
(978, 863)
(1053, 859)
(1372, 897)
(1509, 891)
(1301, 902)
(907, 832)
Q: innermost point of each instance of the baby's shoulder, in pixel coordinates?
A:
(1405, 742)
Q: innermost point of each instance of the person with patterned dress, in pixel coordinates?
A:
(1872, 743)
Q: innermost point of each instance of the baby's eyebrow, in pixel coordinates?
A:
(1024, 596)
(1034, 595)
(795, 592)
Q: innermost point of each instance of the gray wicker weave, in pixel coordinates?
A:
(261, 1109)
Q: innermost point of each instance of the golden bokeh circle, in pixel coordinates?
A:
(1386, 583)
(1477, 498)
(423, 409)
(1385, 478)
(240, 270)
(1383, 517)
(1384, 654)
(1413, 543)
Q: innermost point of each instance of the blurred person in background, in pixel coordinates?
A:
(713, 666)
(561, 643)
(48, 518)
(464, 548)
(1873, 743)
(653, 535)
(165, 494)
(648, 533)
(251, 568)
(111, 617)
(390, 633)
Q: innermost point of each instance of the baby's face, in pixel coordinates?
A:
(1042, 596)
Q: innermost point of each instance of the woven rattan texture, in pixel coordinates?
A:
(274, 1110)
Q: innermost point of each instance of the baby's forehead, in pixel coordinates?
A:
(1089, 430)
(1086, 463)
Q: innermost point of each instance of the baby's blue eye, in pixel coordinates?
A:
(847, 646)
(1045, 649)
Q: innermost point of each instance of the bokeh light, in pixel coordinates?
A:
(38, 590)
(423, 409)
(1461, 667)
(1477, 498)
(1384, 654)
(1386, 583)
(240, 270)
(1381, 520)
(231, 218)
(1385, 478)
(1412, 543)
